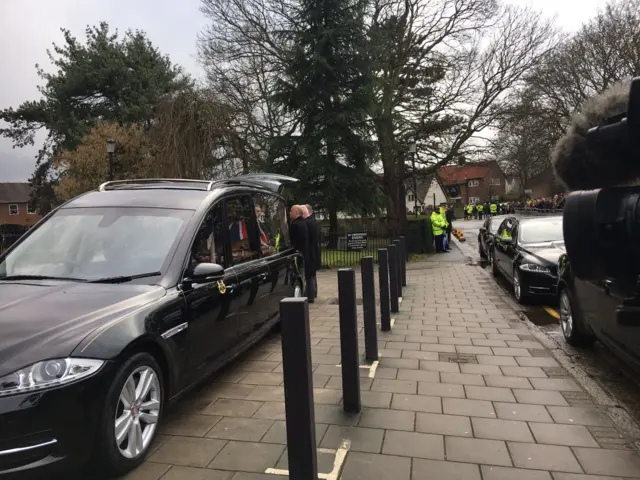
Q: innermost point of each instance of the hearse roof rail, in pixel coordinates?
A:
(272, 182)
(157, 183)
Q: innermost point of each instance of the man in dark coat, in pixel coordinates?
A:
(299, 232)
(450, 216)
(314, 253)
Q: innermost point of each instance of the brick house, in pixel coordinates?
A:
(545, 184)
(475, 182)
(14, 205)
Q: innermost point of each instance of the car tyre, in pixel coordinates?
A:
(571, 322)
(518, 288)
(481, 250)
(118, 456)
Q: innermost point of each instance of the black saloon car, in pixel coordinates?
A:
(123, 298)
(527, 251)
(591, 310)
(487, 232)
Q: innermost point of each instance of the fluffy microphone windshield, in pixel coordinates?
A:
(582, 168)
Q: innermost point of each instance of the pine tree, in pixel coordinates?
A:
(328, 90)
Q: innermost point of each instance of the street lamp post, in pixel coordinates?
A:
(111, 149)
(412, 151)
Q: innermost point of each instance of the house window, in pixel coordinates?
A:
(31, 209)
(495, 181)
(474, 199)
(473, 183)
(13, 209)
(411, 198)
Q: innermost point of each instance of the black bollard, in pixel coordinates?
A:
(298, 389)
(383, 280)
(369, 309)
(399, 263)
(349, 340)
(393, 278)
(405, 259)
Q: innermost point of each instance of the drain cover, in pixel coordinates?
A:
(555, 372)
(577, 399)
(458, 358)
(539, 352)
(527, 338)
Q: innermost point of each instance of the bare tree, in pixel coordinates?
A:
(518, 43)
(605, 51)
(446, 68)
(443, 72)
(409, 40)
(523, 145)
(243, 52)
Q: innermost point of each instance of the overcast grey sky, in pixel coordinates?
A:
(29, 27)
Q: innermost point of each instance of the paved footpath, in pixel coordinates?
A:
(463, 391)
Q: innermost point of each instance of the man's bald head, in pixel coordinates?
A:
(309, 209)
(296, 211)
(304, 210)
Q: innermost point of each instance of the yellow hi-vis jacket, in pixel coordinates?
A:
(494, 208)
(438, 224)
(443, 213)
(470, 209)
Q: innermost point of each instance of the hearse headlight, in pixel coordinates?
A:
(532, 267)
(47, 374)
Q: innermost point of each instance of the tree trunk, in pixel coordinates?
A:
(384, 131)
(391, 191)
(333, 228)
(332, 202)
(402, 197)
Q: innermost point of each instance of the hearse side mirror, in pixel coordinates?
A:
(205, 273)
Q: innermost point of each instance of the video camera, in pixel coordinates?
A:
(602, 226)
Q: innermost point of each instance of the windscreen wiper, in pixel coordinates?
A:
(125, 278)
(40, 277)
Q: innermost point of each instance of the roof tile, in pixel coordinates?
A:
(14, 192)
(454, 175)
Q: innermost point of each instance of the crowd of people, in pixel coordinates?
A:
(305, 237)
(547, 203)
(480, 210)
(442, 218)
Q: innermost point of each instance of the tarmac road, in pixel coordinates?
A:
(610, 373)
